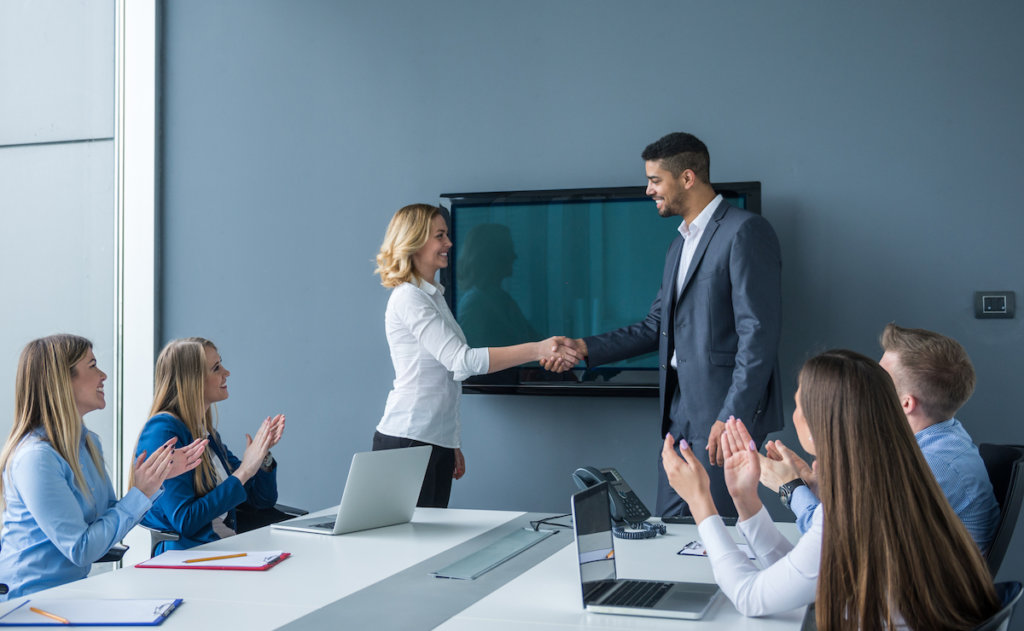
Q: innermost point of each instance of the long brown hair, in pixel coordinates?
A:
(889, 532)
(44, 397)
(178, 390)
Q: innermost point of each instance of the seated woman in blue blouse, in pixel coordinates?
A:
(60, 513)
(200, 507)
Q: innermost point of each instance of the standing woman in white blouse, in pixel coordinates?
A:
(429, 350)
(885, 549)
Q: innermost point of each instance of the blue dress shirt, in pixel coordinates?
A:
(52, 531)
(960, 472)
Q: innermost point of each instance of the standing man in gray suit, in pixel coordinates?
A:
(715, 320)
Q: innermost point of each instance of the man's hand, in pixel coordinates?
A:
(782, 465)
(561, 347)
(715, 455)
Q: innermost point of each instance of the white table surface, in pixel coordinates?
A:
(321, 570)
(548, 596)
(324, 569)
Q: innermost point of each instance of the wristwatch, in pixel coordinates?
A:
(268, 464)
(786, 490)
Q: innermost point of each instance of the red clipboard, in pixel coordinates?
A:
(173, 563)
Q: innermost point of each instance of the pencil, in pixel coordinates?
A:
(50, 615)
(226, 556)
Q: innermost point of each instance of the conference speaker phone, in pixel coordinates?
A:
(627, 511)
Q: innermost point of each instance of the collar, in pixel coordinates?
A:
(429, 287)
(935, 427)
(700, 221)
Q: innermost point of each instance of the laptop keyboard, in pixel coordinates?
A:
(327, 525)
(639, 594)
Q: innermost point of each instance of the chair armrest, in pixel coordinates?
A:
(114, 554)
(291, 510)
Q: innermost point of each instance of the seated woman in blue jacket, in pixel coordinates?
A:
(200, 506)
(60, 513)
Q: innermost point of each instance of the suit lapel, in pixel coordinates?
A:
(702, 246)
(672, 263)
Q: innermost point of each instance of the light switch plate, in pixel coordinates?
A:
(994, 304)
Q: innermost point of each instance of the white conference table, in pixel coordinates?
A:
(325, 576)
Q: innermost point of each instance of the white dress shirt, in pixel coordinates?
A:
(691, 237)
(431, 358)
(790, 575)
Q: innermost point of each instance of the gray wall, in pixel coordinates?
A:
(887, 137)
(57, 186)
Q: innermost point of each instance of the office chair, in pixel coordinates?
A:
(1005, 466)
(1008, 593)
(247, 519)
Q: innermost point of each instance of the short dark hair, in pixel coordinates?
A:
(933, 368)
(679, 151)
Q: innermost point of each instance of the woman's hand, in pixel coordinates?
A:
(688, 478)
(460, 464)
(782, 465)
(277, 428)
(187, 458)
(742, 468)
(268, 435)
(150, 473)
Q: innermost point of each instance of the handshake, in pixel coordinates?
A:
(560, 353)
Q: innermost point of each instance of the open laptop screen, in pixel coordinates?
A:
(592, 522)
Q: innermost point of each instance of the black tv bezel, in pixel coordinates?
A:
(578, 381)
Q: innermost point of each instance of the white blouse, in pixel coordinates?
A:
(431, 358)
(790, 577)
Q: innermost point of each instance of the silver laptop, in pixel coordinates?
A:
(603, 592)
(381, 490)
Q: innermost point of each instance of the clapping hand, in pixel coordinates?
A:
(564, 354)
(782, 465)
(688, 478)
(149, 473)
(742, 467)
(187, 458)
(268, 435)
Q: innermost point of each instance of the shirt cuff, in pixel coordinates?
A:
(803, 500)
(477, 362)
(756, 524)
(717, 540)
(136, 502)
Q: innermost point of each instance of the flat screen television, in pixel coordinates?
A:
(530, 264)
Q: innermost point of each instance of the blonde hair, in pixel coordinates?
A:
(44, 397)
(407, 232)
(178, 390)
(935, 369)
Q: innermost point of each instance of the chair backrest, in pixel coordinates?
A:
(1005, 466)
(1009, 594)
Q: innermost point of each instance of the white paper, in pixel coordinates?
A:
(89, 611)
(697, 549)
(178, 558)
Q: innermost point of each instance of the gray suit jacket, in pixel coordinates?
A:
(724, 327)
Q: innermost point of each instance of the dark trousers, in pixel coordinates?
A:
(437, 481)
(669, 502)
